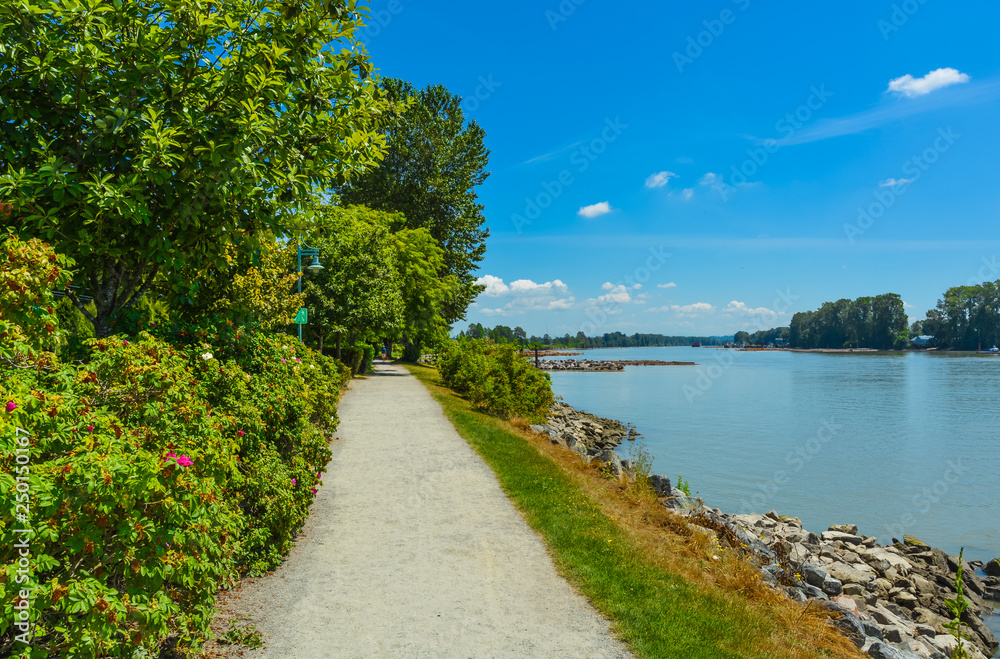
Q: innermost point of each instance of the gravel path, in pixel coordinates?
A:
(413, 550)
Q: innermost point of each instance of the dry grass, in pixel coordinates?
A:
(679, 547)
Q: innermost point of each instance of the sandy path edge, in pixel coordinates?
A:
(412, 550)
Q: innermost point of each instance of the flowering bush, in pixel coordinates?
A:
(494, 378)
(156, 473)
(130, 543)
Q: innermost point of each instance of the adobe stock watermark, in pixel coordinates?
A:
(22, 546)
(562, 12)
(795, 461)
(483, 91)
(924, 500)
(786, 127)
(379, 19)
(581, 159)
(598, 315)
(899, 16)
(988, 271)
(714, 27)
(707, 375)
(886, 196)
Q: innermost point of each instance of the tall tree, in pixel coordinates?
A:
(433, 163)
(144, 138)
(357, 293)
(425, 287)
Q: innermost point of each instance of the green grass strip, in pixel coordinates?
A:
(656, 613)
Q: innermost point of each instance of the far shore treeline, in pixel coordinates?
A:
(965, 318)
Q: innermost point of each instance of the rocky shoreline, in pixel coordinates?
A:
(888, 600)
(602, 365)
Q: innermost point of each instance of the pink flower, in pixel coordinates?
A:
(240, 433)
(313, 489)
(125, 343)
(90, 428)
(293, 481)
(282, 361)
(319, 475)
(11, 406)
(184, 461)
(297, 359)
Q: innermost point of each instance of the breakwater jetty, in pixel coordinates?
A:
(594, 365)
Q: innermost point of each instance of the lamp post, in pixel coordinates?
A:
(305, 250)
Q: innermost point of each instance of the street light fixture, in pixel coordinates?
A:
(304, 250)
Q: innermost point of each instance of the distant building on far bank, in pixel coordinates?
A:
(922, 341)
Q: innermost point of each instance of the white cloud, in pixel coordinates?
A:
(667, 285)
(710, 178)
(594, 210)
(761, 314)
(891, 182)
(910, 87)
(687, 193)
(494, 285)
(617, 293)
(524, 295)
(907, 305)
(687, 310)
(659, 179)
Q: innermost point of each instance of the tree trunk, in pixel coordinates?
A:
(388, 348)
(113, 290)
(337, 355)
(321, 335)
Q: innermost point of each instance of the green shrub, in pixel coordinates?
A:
(353, 356)
(368, 363)
(494, 378)
(157, 470)
(134, 529)
(411, 352)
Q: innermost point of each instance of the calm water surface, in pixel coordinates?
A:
(896, 444)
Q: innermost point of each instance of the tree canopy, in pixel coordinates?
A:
(433, 163)
(868, 322)
(966, 317)
(143, 139)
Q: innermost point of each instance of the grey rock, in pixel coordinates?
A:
(540, 429)
(660, 484)
(850, 529)
(993, 568)
(854, 589)
(850, 625)
(883, 651)
(893, 634)
(609, 459)
(849, 574)
(872, 630)
(813, 592)
(849, 538)
(832, 586)
(814, 576)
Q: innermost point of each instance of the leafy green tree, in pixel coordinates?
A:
(358, 293)
(433, 163)
(261, 289)
(145, 138)
(425, 287)
(741, 338)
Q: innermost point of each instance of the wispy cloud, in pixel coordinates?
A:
(667, 285)
(893, 109)
(686, 311)
(552, 154)
(687, 193)
(892, 182)
(659, 179)
(909, 86)
(594, 210)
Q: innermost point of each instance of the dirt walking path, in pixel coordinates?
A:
(413, 550)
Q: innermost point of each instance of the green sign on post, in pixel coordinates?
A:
(302, 317)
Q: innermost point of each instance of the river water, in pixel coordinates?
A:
(895, 443)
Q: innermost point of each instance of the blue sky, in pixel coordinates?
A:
(717, 166)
